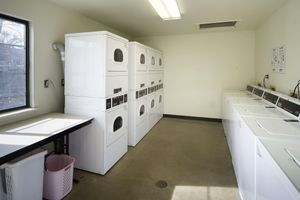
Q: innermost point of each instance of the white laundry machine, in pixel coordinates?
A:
(152, 59)
(159, 96)
(138, 58)
(138, 86)
(155, 60)
(160, 103)
(138, 116)
(277, 169)
(96, 85)
(100, 145)
(152, 106)
(277, 119)
(159, 58)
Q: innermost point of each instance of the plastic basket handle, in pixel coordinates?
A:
(67, 168)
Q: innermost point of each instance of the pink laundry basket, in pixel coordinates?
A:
(58, 176)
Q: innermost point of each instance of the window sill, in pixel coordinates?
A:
(16, 113)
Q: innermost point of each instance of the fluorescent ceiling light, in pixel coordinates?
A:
(166, 9)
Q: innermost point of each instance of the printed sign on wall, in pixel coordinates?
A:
(278, 59)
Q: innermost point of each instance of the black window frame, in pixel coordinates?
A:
(27, 62)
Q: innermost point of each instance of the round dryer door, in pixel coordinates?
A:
(118, 55)
(142, 110)
(160, 99)
(152, 103)
(160, 62)
(152, 61)
(118, 124)
(142, 59)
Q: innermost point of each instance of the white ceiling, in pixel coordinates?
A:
(137, 18)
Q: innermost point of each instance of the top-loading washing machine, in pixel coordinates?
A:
(283, 123)
(277, 169)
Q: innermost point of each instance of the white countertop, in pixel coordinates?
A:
(18, 135)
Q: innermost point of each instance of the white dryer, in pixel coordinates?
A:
(100, 145)
(96, 85)
(159, 58)
(152, 107)
(138, 116)
(138, 58)
(160, 102)
(152, 60)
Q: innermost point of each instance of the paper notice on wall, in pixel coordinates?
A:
(278, 61)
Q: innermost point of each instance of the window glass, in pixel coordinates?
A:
(14, 53)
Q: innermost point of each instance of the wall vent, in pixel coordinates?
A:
(217, 25)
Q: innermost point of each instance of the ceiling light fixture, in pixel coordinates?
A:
(166, 9)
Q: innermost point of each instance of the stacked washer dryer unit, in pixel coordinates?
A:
(138, 89)
(155, 88)
(96, 85)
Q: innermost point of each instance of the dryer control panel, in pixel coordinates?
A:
(161, 86)
(151, 89)
(140, 93)
(115, 101)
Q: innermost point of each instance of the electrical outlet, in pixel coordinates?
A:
(272, 87)
(267, 76)
(46, 83)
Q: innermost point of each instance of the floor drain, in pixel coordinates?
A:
(161, 184)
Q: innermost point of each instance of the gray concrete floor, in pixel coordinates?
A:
(191, 156)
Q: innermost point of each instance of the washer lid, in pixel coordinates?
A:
(279, 127)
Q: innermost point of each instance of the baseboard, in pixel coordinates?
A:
(193, 118)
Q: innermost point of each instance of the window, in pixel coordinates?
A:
(14, 63)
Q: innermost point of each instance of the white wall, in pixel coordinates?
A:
(282, 28)
(198, 67)
(49, 23)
